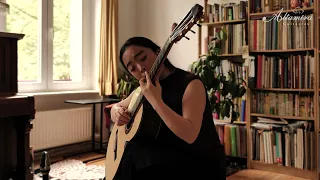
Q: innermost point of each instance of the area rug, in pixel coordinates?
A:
(76, 170)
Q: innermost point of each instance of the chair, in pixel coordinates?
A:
(106, 110)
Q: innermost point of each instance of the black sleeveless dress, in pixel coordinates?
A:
(170, 157)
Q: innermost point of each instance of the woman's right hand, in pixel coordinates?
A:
(121, 116)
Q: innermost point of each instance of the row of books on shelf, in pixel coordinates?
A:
(233, 138)
(283, 104)
(291, 144)
(293, 71)
(240, 104)
(227, 11)
(281, 34)
(236, 38)
(258, 6)
(240, 72)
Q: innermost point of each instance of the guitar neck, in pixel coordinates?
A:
(154, 70)
(160, 59)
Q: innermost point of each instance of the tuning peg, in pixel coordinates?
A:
(192, 31)
(186, 37)
(198, 24)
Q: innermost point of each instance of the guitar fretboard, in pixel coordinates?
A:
(160, 58)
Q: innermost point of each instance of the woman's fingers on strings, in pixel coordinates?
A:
(142, 81)
(147, 77)
(122, 121)
(123, 113)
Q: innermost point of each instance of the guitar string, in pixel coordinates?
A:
(152, 72)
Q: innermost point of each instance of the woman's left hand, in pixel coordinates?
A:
(153, 93)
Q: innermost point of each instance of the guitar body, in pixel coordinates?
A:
(120, 135)
(139, 128)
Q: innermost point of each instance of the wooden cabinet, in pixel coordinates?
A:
(8, 63)
(16, 113)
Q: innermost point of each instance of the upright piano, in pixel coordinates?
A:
(16, 114)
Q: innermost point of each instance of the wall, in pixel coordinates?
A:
(127, 22)
(154, 20)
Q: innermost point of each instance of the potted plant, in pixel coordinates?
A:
(126, 85)
(229, 87)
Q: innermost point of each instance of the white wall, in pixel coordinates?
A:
(154, 20)
(127, 21)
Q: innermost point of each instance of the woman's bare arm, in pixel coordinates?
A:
(187, 126)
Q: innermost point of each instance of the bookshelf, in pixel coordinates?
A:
(233, 18)
(290, 49)
(286, 87)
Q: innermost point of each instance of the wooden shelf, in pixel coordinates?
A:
(225, 55)
(221, 23)
(283, 90)
(303, 118)
(252, 15)
(284, 170)
(228, 122)
(239, 122)
(229, 55)
(282, 50)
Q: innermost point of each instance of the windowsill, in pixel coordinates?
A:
(46, 101)
(59, 93)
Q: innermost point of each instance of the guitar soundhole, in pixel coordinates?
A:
(129, 125)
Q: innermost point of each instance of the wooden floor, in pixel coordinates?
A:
(99, 159)
(98, 162)
(263, 175)
(88, 158)
(242, 175)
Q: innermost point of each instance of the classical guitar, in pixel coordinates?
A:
(139, 128)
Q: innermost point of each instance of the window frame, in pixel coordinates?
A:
(45, 52)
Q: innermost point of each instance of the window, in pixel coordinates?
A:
(55, 53)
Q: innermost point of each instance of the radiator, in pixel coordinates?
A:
(61, 127)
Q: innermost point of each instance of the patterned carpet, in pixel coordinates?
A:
(74, 169)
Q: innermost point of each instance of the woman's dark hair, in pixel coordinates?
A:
(143, 42)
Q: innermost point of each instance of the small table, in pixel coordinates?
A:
(94, 102)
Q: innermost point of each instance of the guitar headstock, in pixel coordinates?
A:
(187, 23)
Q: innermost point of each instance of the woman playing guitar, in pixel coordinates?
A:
(187, 146)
